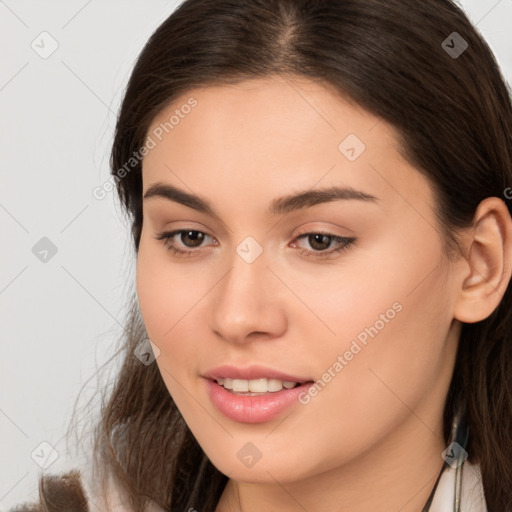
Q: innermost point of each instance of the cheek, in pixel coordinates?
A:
(171, 300)
(391, 317)
(165, 296)
(165, 291)
(389, 312)
(385, 293)
(161, 310)
(153, 295)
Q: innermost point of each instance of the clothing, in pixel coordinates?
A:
(472, 492)
(459, 485)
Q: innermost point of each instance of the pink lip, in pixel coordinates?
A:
(251, 373)
(254, 409)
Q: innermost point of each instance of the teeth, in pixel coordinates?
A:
(274, 385)
(240, 386)
(255, 385)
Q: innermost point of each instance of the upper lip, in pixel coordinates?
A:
(251, 373)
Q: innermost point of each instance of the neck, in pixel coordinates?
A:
(396, 474)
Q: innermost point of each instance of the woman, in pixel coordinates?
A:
(319, 202)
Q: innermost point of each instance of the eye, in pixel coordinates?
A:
(192, 239)
(195, 237)
(321, 241)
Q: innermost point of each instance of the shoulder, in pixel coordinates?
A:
(76, 491)
(105, 496)
(57, 493)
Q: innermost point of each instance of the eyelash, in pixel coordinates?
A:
(166, 237)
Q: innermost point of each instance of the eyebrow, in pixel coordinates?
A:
(279, 206)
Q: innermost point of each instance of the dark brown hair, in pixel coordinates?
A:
(454, 118)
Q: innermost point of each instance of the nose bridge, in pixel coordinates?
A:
(245, 300)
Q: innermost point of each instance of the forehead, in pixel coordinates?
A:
(262, 101)
(276, 132)
(276, 116)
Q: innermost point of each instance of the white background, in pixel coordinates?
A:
(60, 320)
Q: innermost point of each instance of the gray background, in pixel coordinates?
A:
(61, 318)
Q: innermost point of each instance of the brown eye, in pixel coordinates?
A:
(184, 244)
(319, 241)
(196, 236)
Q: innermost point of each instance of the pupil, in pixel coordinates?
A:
(317, 241)
(196, 236)
(323, 239)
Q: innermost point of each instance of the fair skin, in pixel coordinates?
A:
(372, 438)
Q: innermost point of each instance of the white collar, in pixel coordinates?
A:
(472, 491)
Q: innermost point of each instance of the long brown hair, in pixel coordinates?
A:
(454, 116)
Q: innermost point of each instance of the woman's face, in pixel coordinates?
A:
(368, 316)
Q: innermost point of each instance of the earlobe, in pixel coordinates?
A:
(489, 266)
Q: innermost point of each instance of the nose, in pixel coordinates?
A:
(248, 303)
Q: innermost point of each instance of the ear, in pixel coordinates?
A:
(486, 275)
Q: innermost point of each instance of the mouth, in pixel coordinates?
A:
(255, 400)
(256, 387)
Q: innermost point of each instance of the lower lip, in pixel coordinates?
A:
(253, 409)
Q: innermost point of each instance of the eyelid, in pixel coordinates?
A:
(166, 235)
(343, 243)
(163, 215)
(302, 231)
(329, 228)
